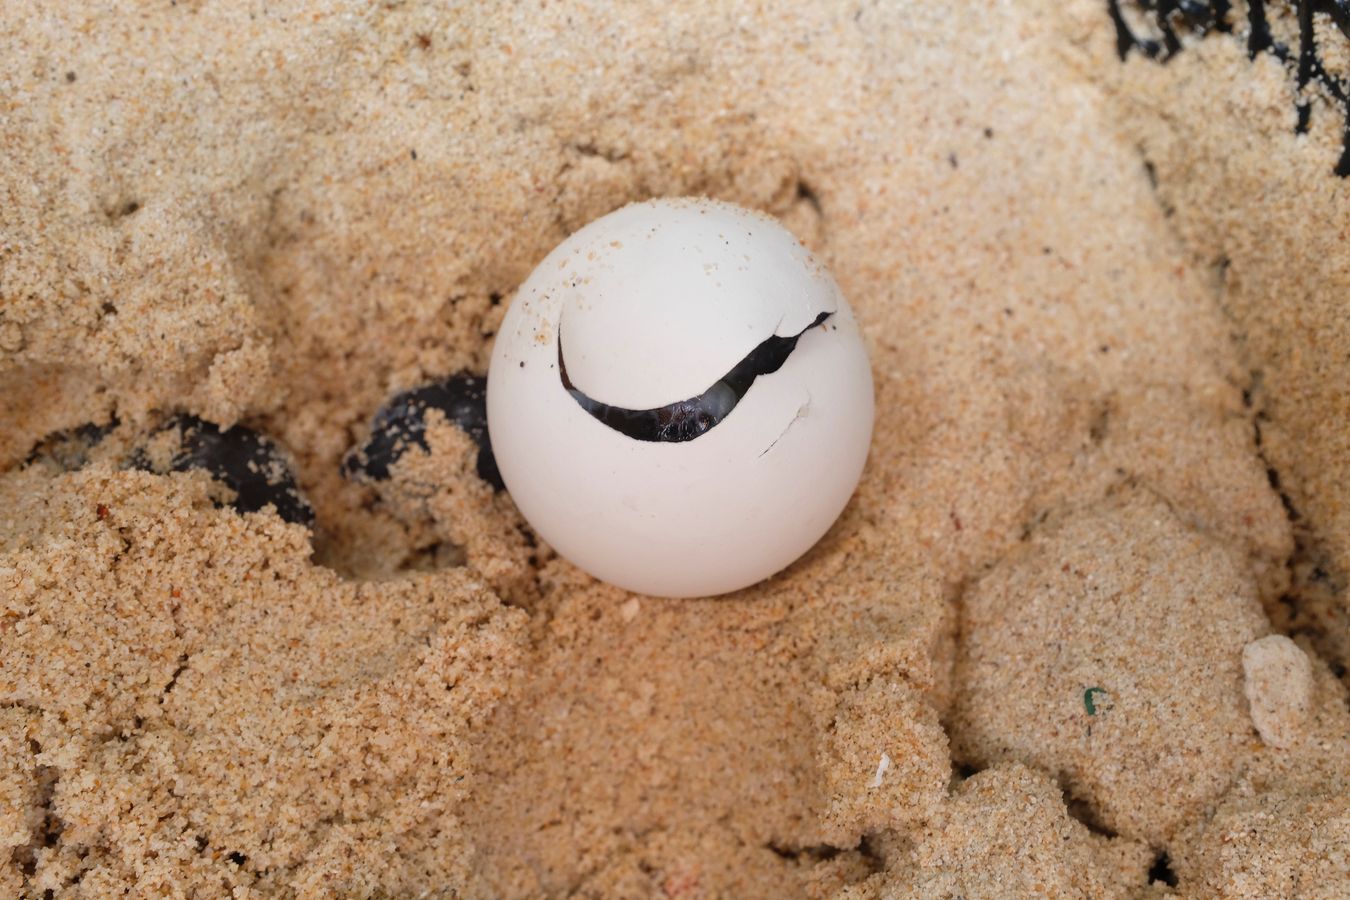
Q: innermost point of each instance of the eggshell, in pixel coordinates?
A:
(656, 303)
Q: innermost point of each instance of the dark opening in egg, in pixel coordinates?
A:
(685, 420)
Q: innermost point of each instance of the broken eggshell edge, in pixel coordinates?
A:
(661, 298)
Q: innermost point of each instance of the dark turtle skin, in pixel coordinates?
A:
(68, 449)
(401, 425)
(252, 465)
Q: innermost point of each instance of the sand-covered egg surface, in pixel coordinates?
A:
(378, 438)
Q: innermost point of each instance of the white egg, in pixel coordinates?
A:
(659, 471)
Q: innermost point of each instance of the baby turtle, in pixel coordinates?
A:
(401, 424)
(253, 466)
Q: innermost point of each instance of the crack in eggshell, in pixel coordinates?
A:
(800, 414)
(687, 419)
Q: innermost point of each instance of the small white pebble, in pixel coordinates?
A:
(630, 609)
(881, 770)
(1279, 688)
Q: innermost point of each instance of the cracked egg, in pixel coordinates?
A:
(679, 398)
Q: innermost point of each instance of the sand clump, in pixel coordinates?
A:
(1108, 651)
(1006, 833)
(133, 668)
(1278, 684)
(1281, 830)
(282, 217)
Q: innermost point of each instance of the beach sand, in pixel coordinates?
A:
(1104, 303)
